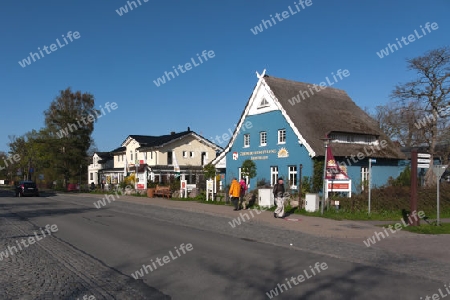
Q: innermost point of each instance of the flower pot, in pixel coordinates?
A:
(151, 192)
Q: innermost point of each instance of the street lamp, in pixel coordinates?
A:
(326, 142)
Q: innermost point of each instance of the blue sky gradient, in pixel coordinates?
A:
(117, 58)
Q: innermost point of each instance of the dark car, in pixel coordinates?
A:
(27, 188)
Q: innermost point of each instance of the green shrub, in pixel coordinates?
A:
(396, 198)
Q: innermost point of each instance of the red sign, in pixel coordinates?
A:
(338, 186)
(140, 186)
(183, 184)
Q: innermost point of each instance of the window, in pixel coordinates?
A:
(273, 175)
(131, 156)
(350, 138)
(369, 139)
(184, 154)
(364, 177)
(203, 158)
(263, 138)
(91, 176)
(191, 154)
(293, 177)
(263, 103)
(240, 176)
(246, 140)
(281, 136)
(169, 158)
(122, 157)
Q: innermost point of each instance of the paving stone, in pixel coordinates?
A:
(53, 269)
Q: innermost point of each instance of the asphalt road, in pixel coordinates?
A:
(223, 262)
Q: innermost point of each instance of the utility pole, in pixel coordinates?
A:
(438, 170)
(326, 141)
(413, 195)
(300, 188)
(371, 160)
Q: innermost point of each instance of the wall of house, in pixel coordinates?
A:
(192, 150)
(119, 160)
(269, 122)
(381, 171)
(95, 167)
(131, 151)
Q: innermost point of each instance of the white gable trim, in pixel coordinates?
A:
(301, 139)
(128, 140)
(197, 137)
(251, 103)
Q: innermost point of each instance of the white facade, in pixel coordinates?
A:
(96, 166)
(165, 157)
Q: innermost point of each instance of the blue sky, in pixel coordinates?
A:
(117, 58)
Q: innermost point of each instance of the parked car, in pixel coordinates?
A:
(26, 188)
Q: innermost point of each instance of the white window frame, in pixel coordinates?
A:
(273, 175)
(364, 176)
(191, 154)
(131, 156)
(246, 140)
(263, 138)
(292, 171)
(281, 135)
(240, 176)
(185, 154)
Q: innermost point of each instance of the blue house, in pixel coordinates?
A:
(283, 125)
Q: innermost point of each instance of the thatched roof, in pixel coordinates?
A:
(327, 111)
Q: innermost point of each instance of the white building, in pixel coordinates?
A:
(160, 158)
(100, 161)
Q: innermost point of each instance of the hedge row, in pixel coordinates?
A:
(396, 198)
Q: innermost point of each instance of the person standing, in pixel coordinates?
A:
(278, 195)
(235, 192)
(243, 186)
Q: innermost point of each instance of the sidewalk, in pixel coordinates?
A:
(433, 247)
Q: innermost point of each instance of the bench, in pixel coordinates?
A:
(163, 191)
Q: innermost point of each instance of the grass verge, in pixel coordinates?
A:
(425, 228)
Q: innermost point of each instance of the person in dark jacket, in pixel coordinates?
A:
(278, 195)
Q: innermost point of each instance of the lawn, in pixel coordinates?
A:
(356, 215)
(426, 228)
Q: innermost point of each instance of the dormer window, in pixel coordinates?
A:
(263, 103)
(353, 138)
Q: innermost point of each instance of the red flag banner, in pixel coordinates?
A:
(333, 170)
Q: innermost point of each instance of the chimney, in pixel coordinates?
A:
(189, 128)
(172, 133)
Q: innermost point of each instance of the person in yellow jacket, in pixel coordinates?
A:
(235, 193)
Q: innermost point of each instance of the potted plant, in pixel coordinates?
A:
(151, 187)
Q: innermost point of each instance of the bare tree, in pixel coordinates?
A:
(428, 97)
(399, 123)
